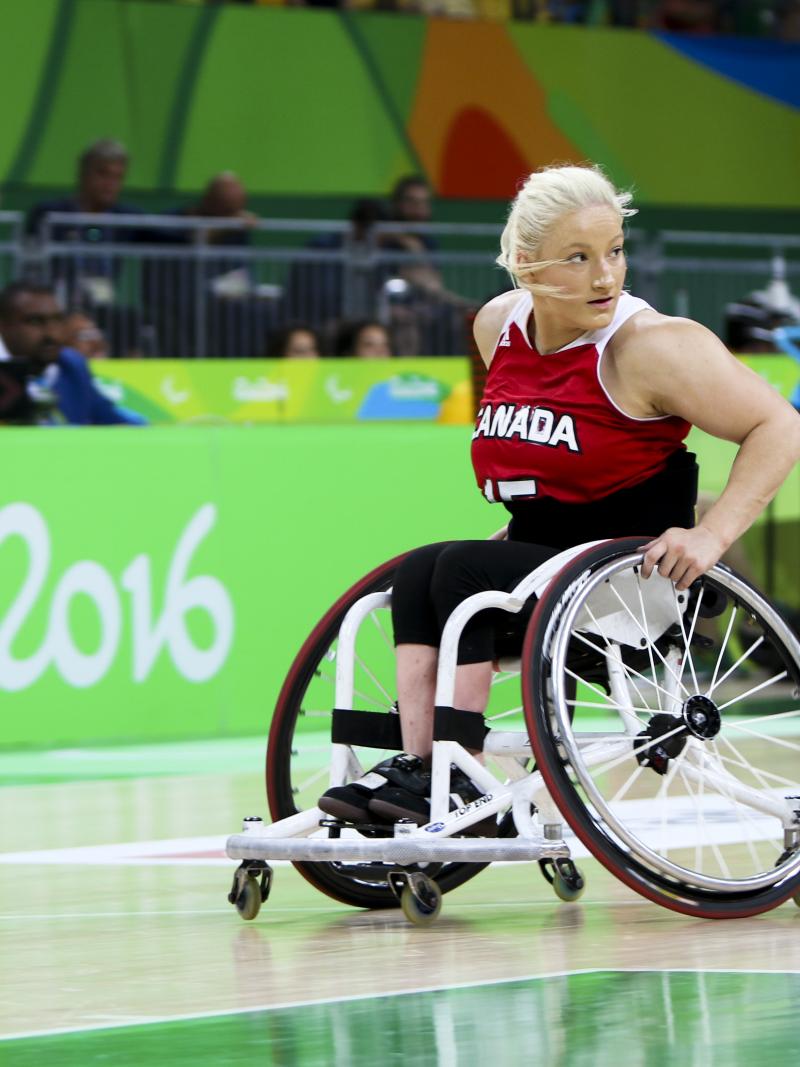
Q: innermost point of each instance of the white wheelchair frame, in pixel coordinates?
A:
(538, 822)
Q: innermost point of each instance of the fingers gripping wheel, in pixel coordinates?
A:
(299, 747)
(669, 742)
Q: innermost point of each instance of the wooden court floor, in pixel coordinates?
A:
(117, 945)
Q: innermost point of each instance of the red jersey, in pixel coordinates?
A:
(546, 426)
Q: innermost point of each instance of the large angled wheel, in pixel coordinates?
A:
(299, 747)
(667, 728)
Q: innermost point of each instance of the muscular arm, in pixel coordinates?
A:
(680, 368)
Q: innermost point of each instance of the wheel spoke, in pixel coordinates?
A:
(504, 714)
(768, 718)
(687, 658)
(623, 789)
(723, 866)
(618, 658)
(740, 809)
(663, 790)
(723, 646)
(645, 746)
(378, 685)
(755, 689)
(315, 777)
(651, 647)
(781, 742)
(745, 655)
(382, 630)
(646, 628)
(740, 761)
(611, 705)
(608, 706)
(591, 644)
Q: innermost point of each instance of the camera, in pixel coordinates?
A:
(24, 400)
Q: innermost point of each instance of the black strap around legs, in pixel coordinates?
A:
(369, 729)
(466, 727)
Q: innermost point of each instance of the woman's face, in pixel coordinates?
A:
(372, 343)
(301, 345)
(590, 271)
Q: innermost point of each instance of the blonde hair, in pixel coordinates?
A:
(548, 194)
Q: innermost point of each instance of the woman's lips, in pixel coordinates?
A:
(602, 302)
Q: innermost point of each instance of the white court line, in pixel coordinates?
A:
(169, 852)
(642, 817)
(151, 1020)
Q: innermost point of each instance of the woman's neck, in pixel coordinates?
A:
(547, 334)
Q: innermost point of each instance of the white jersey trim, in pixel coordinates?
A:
(520, 313)
(627, 307)
(522, 305)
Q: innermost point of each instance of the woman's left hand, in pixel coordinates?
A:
(682, 555)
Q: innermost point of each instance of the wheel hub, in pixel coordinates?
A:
(702, 717)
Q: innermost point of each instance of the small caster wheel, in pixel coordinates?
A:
(248, 899)
(421, 901)
(567, 881)
(251, 885)
(569, 888)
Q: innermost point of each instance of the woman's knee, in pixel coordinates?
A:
(457, 574)
(413, 614)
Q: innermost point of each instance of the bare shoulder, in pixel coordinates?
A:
(665, 365)
(653, 345)
(489, 322)
(649, 331)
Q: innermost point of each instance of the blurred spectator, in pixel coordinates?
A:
(341, 282)
(101, 175)
(31, 335)
(688, 16)
(84, 335)
(789, 20)
(216, 294)
(294, 342)
(787, 340)
(411, 202)
(425, 317)
(363, 340)
(88, 280)
(225, 197)
(749, 322)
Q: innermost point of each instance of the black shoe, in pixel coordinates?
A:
(351, 802)
(398, 802)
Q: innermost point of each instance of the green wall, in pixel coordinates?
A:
(275, 522)
(157, 583)
(315, 107)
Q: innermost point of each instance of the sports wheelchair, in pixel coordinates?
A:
(663, 727)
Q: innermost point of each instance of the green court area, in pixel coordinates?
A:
(603, 1017)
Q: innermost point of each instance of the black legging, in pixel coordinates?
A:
(435, 579)
(432, 581)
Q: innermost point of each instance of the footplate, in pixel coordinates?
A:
(405, 850)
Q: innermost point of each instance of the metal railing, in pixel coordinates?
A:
(11, 246)
(174, 286)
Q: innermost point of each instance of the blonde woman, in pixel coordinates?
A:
(589, 397)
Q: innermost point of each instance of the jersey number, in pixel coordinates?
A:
(516, 489)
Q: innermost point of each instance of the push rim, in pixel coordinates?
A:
(602, 801)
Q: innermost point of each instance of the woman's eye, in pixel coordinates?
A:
(578, 257)
(618, 251)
